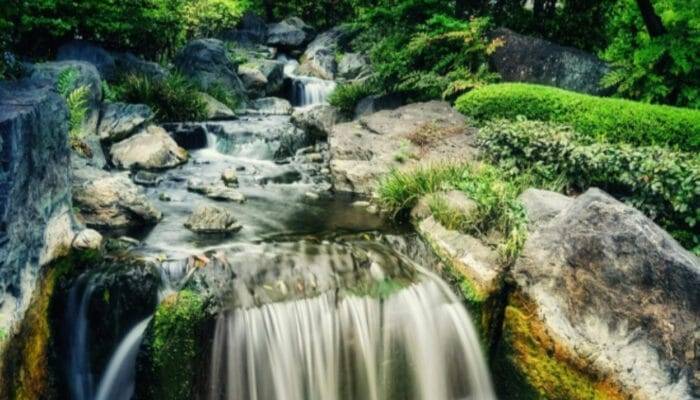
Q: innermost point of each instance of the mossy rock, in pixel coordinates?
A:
(29, 360)
(173, 363)
(530, 364)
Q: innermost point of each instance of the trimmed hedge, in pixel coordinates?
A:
(605, 119)
(662, 183)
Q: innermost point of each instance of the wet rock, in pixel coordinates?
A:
(230, 177)
(121, 120)
(608, 289)
(319, 58)
(542, 205)
(376, 103)
(271, 106)
(35, 208)
(81, 50)
(362, 151)
(146, 178)
(85, 75)
(290, 34)
(206, 62)
(262, 77)
(354, 66)
(317, 120)
(212, 219)
(151, 149)
(285, 176)
(215, 190)
(189, 135)
(217, 110)
(87, 239)
(527, 59)
(113, 202)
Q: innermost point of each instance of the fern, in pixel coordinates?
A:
(66, 81)
(77, 110)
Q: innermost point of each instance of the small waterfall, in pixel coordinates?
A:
(308, 91)
(118, 380)
(418, 343)
(80, 378)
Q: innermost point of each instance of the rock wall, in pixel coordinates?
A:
(35, 200)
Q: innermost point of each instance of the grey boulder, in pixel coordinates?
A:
(317, 120)
(262, 77)
(207, 63)
(212, 219)
(151, 149)
(319, 58)
(217, 110)
(292, 33)
(354, 67)
(121, 120)
(81, 50)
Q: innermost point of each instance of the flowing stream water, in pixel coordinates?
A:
(319, 307)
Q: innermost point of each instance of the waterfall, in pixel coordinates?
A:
(418, 343)
(308, 91)
(118, 381)
(80, 379)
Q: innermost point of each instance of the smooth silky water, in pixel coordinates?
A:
(323, 299)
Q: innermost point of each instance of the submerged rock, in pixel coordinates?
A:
(35, 208)
(151, 149)
(212, 219)
(609, 299)
(215, 190)
(113, 202)
(120, 120)
(230, 177)
(528, 59)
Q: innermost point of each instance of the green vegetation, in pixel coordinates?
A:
(495, 195)
(174, 347)
(662, 183)
(76, 99)
(151, 27)
(612, 120)
(172, 99)
(346, 96)
(229, 98)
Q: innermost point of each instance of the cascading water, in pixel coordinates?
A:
(306, 90)
(79, 373)
(417, 344)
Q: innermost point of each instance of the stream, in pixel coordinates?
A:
(296, 319)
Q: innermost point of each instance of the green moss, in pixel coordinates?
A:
(174, 348)
(531, 365)
(606, 119)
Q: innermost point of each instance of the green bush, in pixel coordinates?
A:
(662, 183)
(495, 194)
(346, 96)
(226, 96)
(605, 119)
(172, 99)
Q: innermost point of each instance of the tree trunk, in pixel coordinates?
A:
(651, 19)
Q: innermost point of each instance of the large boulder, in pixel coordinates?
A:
(364, 150)
(317, 120)
(354, 67)
(606, 303)
(207, 63)
(541, 206)
(374, 103)
(527, 59)
(290, 34)
(82, 50)
(319, 58)
(151, 149)
(251, 30)
(85, 75)
(35, 206)
(113, 202)
(121, 120)
(262, 77)
(127, 63)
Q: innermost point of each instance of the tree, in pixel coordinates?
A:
(651, 19)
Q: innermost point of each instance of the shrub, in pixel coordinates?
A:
(174, 98)
(611, 120)
(226, 96)
(495, 195)
(346, 96)
(662, 183)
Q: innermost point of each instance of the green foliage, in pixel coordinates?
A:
(664, 69)
(175, 346)
(76, 99)
(612, 120)
(441, 58)
(226, 96)
(494, 193)
(662, 183)
(174, 98)
(346, 96)
(150, 27)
